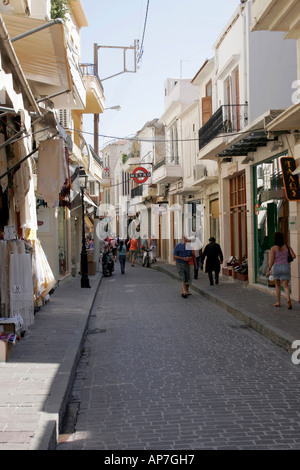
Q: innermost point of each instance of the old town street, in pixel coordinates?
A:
(159, 371)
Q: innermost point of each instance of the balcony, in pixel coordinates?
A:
(166, 171)
(276, 15)
(149, 191)
(47, 59)
(136, 195)
(226, 120)
(130, 161)
(95, 164)
(136, 192)
(95, 100)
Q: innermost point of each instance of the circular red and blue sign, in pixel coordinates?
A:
(139, 173)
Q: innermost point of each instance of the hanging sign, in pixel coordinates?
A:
(138, 173)
(291, 182)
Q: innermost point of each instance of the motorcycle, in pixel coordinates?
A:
(146, 257)
(107, 264)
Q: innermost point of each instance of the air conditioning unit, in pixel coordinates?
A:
(199, 172)
(64, 117)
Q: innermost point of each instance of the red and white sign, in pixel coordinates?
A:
(140, 175)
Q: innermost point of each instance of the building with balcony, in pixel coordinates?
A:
(243, 86)
(280, 18)
(168, 175)
(249, 89)
(42, 90)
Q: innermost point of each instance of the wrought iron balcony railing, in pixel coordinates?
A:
(227, 119)
(138, 191)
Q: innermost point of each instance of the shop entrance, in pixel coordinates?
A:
(271, 213)
(238, 218)
(215, 220)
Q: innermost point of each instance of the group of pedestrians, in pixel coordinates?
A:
(188, 255)
(128, 249)
(185, 256)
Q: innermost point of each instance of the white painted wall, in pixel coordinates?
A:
(267, 65)
(189, 146)
(273, 69)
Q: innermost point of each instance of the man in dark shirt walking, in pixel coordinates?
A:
(214, 258)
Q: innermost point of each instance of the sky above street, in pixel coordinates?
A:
(177, 37)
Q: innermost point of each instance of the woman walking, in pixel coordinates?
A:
(281, 269)
(122, 256)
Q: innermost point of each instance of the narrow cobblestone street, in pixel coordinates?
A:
(162, 372)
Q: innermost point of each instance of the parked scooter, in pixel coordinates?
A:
(146, 257)
(108, 265)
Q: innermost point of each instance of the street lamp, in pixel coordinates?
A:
(116, 108)
(84, 261)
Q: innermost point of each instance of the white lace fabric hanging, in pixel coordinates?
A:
(43, 279)
(20, 284)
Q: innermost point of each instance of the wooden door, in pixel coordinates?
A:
(206, 109)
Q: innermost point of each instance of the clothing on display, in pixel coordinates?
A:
(3, 279)
(3, 164)
(22, 176)
(25, 279)
(52, 170)
(20, 283)
(43, 279)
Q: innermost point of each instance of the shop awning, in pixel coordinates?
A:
(288, 120)
(8, 80)
(89, 201)
(43, 55)
(89, 224)
(247, 144)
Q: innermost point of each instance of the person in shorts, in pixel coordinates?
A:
(133, 245)
(281, 268)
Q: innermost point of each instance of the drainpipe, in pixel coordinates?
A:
(5, 39)
(246, 46)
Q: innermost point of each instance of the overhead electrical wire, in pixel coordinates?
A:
(144, 31)
(135, 139)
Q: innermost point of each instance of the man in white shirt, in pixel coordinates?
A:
(197, 247)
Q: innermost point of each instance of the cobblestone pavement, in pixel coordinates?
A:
(160, 372)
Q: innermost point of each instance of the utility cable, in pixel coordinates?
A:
(142, 42)
(135, 139)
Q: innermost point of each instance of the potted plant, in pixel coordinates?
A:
(59, 9)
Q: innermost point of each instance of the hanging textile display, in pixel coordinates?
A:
(3, 279)
(20, 283)
(28, 216)
(52, 170)
(65, 193)
(22, 176)
(3, 164)
(26, 279)
(43, 279)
